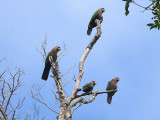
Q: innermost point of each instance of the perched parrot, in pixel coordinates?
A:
(89, 87)
(112, 85)
(47, 67)
(96, 15)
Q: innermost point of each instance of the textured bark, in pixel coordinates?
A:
(59, 85)
(68, 113)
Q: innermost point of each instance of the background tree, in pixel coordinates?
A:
(154, 6)
(8, 93)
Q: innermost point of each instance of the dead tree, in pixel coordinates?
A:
(67, 103)
(8, 91)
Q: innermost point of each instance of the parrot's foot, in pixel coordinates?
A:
(79, 89)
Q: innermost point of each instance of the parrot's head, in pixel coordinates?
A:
(57, 48)
(116, 79)
(93, 82)
(103, 10)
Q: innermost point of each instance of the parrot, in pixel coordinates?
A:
(112, 85)
(89, 86)
(47, 67)
(96, 15)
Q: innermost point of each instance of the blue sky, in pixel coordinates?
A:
(127, 49)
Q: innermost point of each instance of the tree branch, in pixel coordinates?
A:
(81, 64)
(43, 48)
(90, 93)
(83, 101)
(2, 59)
(63, 53)
(42, 101)
(57, 78)
(145, 8)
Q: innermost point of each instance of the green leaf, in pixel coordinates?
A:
(156, 22)
(150, 24)
(126, 8)
(126, 13)
(154, 12)
(157, 3)
(153, 26)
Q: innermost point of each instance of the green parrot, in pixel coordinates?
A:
(112, 85)
(96, 15)
(47, 67)
(89, 87)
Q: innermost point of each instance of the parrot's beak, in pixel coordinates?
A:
(103, 10)
(59, 49)
(94, 82)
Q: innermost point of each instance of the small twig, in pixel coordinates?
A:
(36, 111)
(68, 82)
(77, 107)
(55, 93)
(42, 102)
(138, 4)
(20, 104)
(2, 73)
(69, 79)
(2, 59)
(66, 72)
(63, 53)
(150, 5)
(145, 8)
(43, 48)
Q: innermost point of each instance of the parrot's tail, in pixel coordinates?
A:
(109, 99)
(46, 73)
(89, 30)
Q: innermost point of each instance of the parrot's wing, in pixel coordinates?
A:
(108, 86)
(89, 85)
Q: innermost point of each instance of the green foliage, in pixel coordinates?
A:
(127, 6)
(154, 6)
(156, 16)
